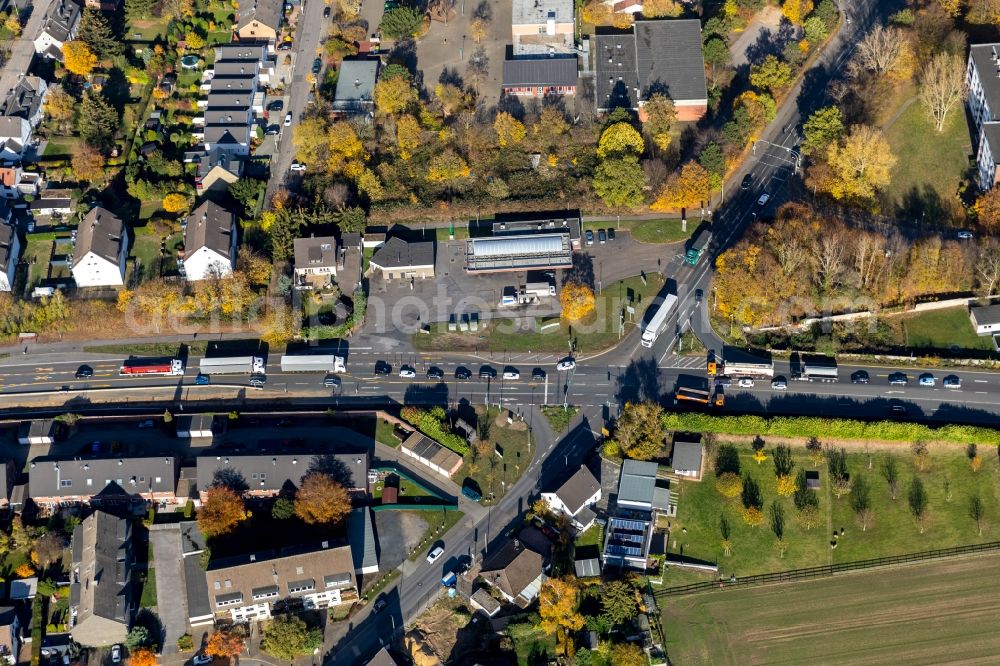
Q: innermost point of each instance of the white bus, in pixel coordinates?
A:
(659, 321)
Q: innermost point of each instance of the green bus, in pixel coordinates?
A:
(698, 247)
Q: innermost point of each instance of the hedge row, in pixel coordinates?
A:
(431, 423)
(829, 428)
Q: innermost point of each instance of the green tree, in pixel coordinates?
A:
(351, 219)
(782, 459)
(95, 31)
(620, 182)
(890, 472)
(138, 636)
(824, 127)
(246, 191)
(815, 30)
(283, 231)
(714, 160)
(620, 139)
(716, 52)
(288, 637)
(777, 515)
(977, 511)
(138, 9)
(750, 496)
(918, 501)
(98, 120)
(618, 603)
(772, 74)
(727, 460)
(861, 502)
(401, 22)
(283, 509)
(639, 430)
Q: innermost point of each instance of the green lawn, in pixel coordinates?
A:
(147, 251)
(941, 329)
(148, 598)
(37, 251)
(494, 474)
(60, 146)
(148, 348)
(385, 433)
(531, 645)
(592, 537)
(558, 417)
(597, 332)
(893, 530)
(663, 230)
(929, 166)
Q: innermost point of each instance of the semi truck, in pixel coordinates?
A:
(313, 363)
(658, 321)
(232, 365)
(698, 247)
(701, 396)
(739, 363)
(152, 366)
(818, 369)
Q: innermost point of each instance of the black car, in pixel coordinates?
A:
(747, 182)
(611, 234)
(84, 372)
(898, 410)
(276, 105)
(317, 65)
(326, 12)
(486, 372)
(538, 375)
(463, 373)
(860, 377)
(382, 368)
(898, 379)
(436, 374)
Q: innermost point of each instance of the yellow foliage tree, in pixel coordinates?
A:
(577, 300)
(622, 20)
(596, 12)
(690, 187)
(479, 29)
(729, 485)
(976, 463)
(141, 657)
(446, 168)
(557, 609)
(407, 136)
(175, 203)
(393, 95)
(510, 131)
(796, 11)
(222, 511)
(88, 164)
(860, 165)
(620, 139)
(753, 516)
(661, 9)
(13, 24)
(78, 58)
(24, 570)
(786, 486)
(321, 500)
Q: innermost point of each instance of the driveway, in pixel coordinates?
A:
(171, 598)
(751, 45)
(23, 50)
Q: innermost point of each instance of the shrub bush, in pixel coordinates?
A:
(431, 423)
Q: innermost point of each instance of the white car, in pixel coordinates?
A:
(202, 659)
(297, 167)
(407, 373)
(779, 384)
(566, 364)
(288, 119)
(116, 654)
(965, 235)
(764, 198)
(433, 556)
(745, 382)
(511, 374)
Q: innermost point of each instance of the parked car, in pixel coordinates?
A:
(202, 380)
(602, 236)
(317, 65)
(538, 375)
(745, 382)
(611, 234)
(437, 374)
(746, 182)
(288, 119)
(202, 659)
(779, 384)
(272, 130)
(952, 382)
(463, 373)
(331, 381)
(763, 199)
(486, 372)
(566, 364)
(326, 12)
(276, 105)
(436, 553)
(84, 372)
(965, 235)
(927, 379)
(285, 46)
(116, 654)
(590, 237)
(379, 605)
(511, 373)
(898, 379)
(407, 372)
(860, 377)
(297, 167)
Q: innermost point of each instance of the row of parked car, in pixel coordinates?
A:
(383, 369)
(603, 236)
(860, 377)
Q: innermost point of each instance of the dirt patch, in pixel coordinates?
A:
(501, 422)
(444, 632)
(399, 532)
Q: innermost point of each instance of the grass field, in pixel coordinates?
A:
(663, 230)
(495, 474)
(940, 612)
(148, 348)
(929, 166)
(558, 417)
(940, 329)
(695, 531)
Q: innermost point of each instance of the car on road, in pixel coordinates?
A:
(407, 373)
(463, 373)
(382, 368)
(379, 605)
(898, 410)
(745, 382)
(511, 373)
(746, 182)
(202, 380)
(590, 237)
(435, 554)
(565, 365)
(297, 167)
(258, 380)
(699, 295)
(276, 105)
(898, 379)
(116, 654)
(202, 659)
(486, 372)
(602, 236)
(331, 381)
(927, 379)
(84, 372)
(779, 384)
(288, 119)
(436, 374)
(763, 199)
(722, 381)
(965, 235)
(148, 423)
(860, 377)
(317, 65)
(538, 375)
(952, 382)
(611, 234)
(326, 12)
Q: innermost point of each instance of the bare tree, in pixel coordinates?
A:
(942, 87)
(829, 251)
(881, 49)
(988, 267)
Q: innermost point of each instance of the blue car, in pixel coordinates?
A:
(202, 380)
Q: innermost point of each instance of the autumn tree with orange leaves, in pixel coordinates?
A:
(557, 609)
(577, 300)
(142, 657)
(222, 512)
(224, 644)
(320, 499)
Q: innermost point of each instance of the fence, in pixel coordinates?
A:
(827, 570)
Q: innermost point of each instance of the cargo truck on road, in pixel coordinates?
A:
(313, 363)
(232, 365)
(658, 322)
(698, 247)
(152, 366)
(818, 369)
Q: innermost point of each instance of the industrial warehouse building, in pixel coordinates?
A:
(541, 243)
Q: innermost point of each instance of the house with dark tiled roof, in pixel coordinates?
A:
(258, 20)
(209, 242)
(217, 170)
(55, 482)
(58, 27)
(399, 259)
(101, 250)
(663, 56)
(540, 76)
(10, 252)
(315, 262)
(575, 497)
(102, 597)
(515, 571)
(26, 100)
(268, 475)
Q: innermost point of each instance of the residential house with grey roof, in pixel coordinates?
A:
(663, 56)
(354, 94)
(540, 76)
(983, 79)
(102, 597)
(101, 250)
(515, 571)
(10, 252)
(102, 481)
(217, 170)
(258, 21)
(58, 27)
(629, 532)
(686, 458)
(399, 259)
(268, 474)
(575, 497)
(209, 242)
(361, 534)
(15, 135)
(26, 99)
(315, 262)
(245, 588)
